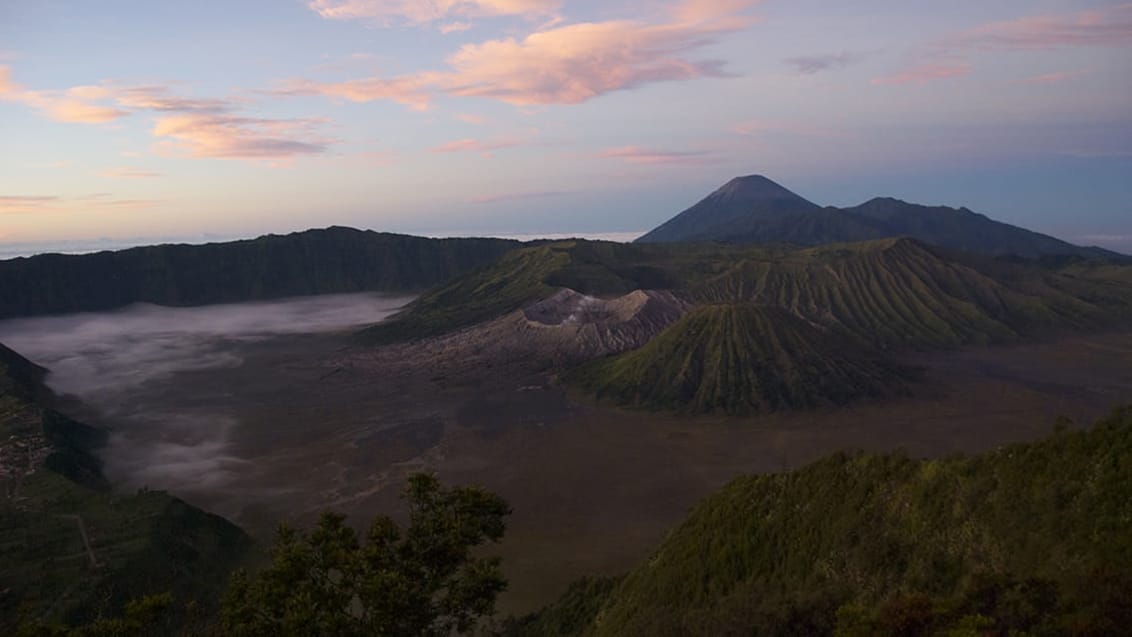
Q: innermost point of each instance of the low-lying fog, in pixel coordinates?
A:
(123, 365)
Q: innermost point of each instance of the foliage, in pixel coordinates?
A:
(71, 551)
(1030, 538)
(423, 580)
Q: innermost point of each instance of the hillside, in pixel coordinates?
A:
(332, 260)
(1031, 538)
(740, 359)
(70, 549)
(891, 292)
(755, 210)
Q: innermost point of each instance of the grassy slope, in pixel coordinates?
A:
(892, 292)
(144, 543)
(739, 359)
(1034, 534)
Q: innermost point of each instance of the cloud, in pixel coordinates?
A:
(758, 126)
(562, 64)
(639, 155)
(204, 127)
(811, 64)
(1111, 26)
(11, 204)
(468, 118)
(232, 137)
(475, 146)
(1102, 27)
(408, 90)
(1049, 78)
(517, 196)
(455, 27)
(426, 12)
(925, 73)
(158, 98)
(129, 172)
(19, 204)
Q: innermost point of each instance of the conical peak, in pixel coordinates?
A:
(752, 188)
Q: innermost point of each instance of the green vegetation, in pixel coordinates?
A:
(1029, 539)
(333, 260)
(740, 359)
(71, 550)
(423, 580)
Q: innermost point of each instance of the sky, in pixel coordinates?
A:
(131, 119)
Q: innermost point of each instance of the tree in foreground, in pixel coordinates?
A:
(420, 580)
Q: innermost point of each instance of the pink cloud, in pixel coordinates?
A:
(129, 172)
(423, 12)
(455, 27)
(561, 64)
(468, 118)
(517, 196)
(1103, 27)
(77, 104)
(639, 155)
(408, 90)
(575, 63)
(925, 73)
(758, 126)
(1049, 78)
(475, 146)
(18, 204)
(231, 137)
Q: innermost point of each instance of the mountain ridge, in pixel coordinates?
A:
(766, 212)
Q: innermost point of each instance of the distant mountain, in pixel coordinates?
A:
(1028, 539)
(72, 550)
(331, 260)
(754, 209)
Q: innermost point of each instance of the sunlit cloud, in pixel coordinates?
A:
(517, 196)
(639, 155)
(232, 137)
(924, 73)
(408, 90)
(1102, 27)
(475, 145)
(196, 127)
(567, 64)
(77, 104)
(159, 98)
(760, 126)
(811, 64)
(455, 27)
(23, 204)
(129, 172)
(946, 59)
(425, 12)
(1049, 78)
(468, 118)
(11, 204)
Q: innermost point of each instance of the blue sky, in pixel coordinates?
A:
(144, 119)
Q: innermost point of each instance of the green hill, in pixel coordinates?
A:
(1031, 538)
(71, 549)
(889, 292)
(332, 260)
(755, 210)
(740, 359)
